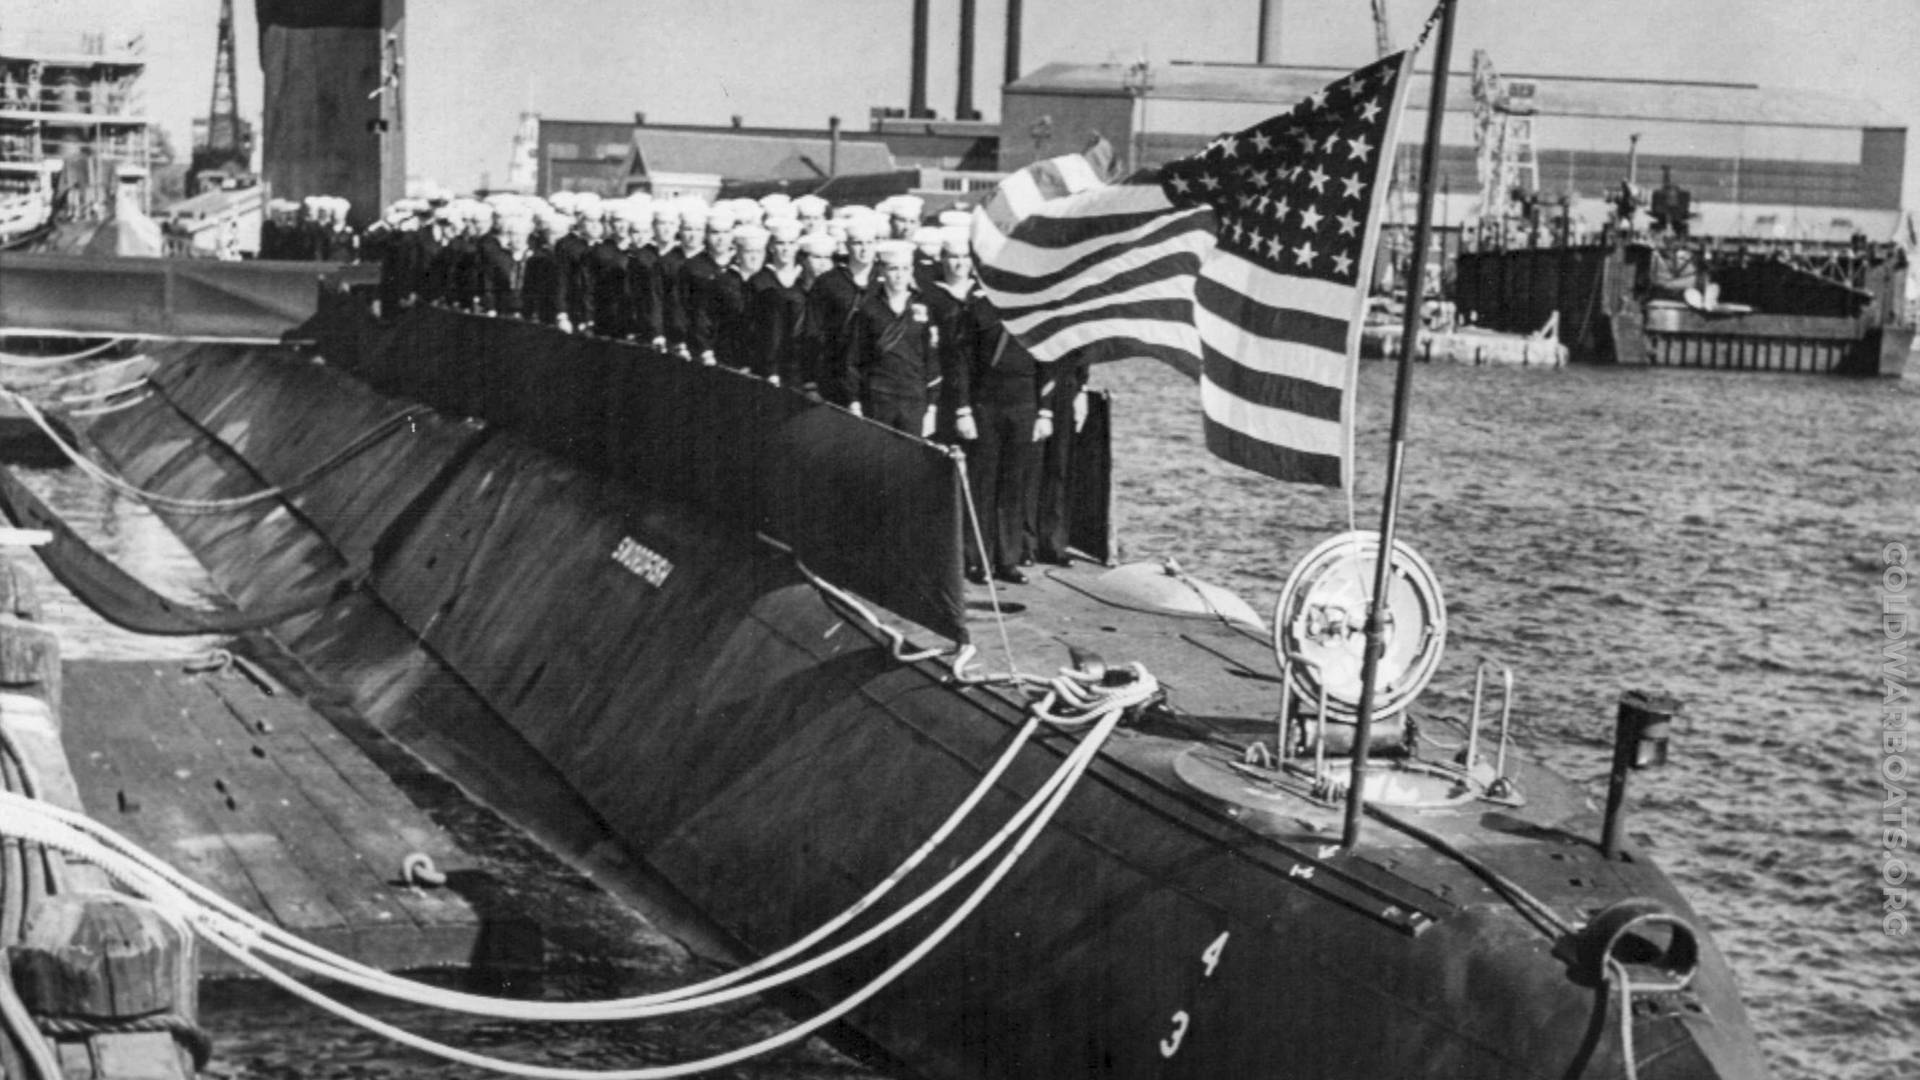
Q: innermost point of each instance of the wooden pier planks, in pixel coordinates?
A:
(262, 800)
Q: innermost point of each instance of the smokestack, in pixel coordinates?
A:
(1269, 41)
(917, 91)
(833, 146)
(1013, 40)
(963, 108)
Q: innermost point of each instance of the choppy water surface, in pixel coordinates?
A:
(1714, 536)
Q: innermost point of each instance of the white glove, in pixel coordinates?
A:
(376, 309)
(855, 409)
(706, 358)
(927, 423)
(681, 352)
(1043, 427)
(1080, 410)
(565, 324)
(964, 426)
(773, 380)
(659, 344)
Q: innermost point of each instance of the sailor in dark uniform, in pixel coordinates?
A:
(607, 271)
(890, 368)
(927, 272)
(1049, 509)
(700, 284)
(504, 263)
(903, 215)
(831, 305)
(731, 296)
(543, 295)
(998, 395)
(643, 276)
(777, 307)
(335, 241)
(573, 252)
(811, 210)
(691, 239)
(433, 257)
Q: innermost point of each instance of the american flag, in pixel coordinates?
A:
(1248, 261)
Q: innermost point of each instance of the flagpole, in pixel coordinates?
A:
(1402, 389)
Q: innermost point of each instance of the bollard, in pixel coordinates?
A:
(1640, 735)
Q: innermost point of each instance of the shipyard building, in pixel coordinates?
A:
(1758, 161)
(69, 119)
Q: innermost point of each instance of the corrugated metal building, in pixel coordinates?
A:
(1759, 161)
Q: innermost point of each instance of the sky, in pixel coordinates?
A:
(474, 65)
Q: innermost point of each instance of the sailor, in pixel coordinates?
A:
(777, 308)
(927, 246)
(774, 205)
(831, 304)
(572, 252)
(998, 395)
(812, 212)
(1049, 509)
(543, 295)
(698, 279)
(690, 240)
(337, 241)
(662, 262)
(816, 256)
(889, 365)
(730, 297)
(607, 269)
(433, 259)
(643, 274)
(503, 268)
(903, 215)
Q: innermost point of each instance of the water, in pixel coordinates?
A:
(1714, 536)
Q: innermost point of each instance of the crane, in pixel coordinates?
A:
(1382, 37)
(1502, 142)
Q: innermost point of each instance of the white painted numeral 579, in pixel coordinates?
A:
(1170, 1045)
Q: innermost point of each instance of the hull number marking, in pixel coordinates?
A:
(1211, 957)
(647, 564)
(1170, 1045)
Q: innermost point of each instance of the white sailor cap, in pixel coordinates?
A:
(955, 241)
(907, 206)
(927, 238)
(818, 244)
(955, 219)
(810, 206)
(774, 201)
(784, 229)
(693, 214)
(564, 201)
(893, 253)
(720, 219)
(849, 210)
(666, 211)
(861, 227)
(751, 237)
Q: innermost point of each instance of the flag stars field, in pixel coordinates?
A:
(1242, 261)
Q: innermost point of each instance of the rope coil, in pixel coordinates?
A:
(1073, 700)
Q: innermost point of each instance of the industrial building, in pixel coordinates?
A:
(67, 109)
(1758, 161)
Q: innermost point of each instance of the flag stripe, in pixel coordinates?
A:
(1309, 399)
(1147, 283)
(1279, 323)
(1330, 369)
(1171, 335)
(1311, 295)
(1111, 349)
(1035, 283)
(1263, 457)
(1261, 422)
(1173, 310)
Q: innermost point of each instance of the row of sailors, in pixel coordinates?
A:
(865, 308)
(314, 229)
